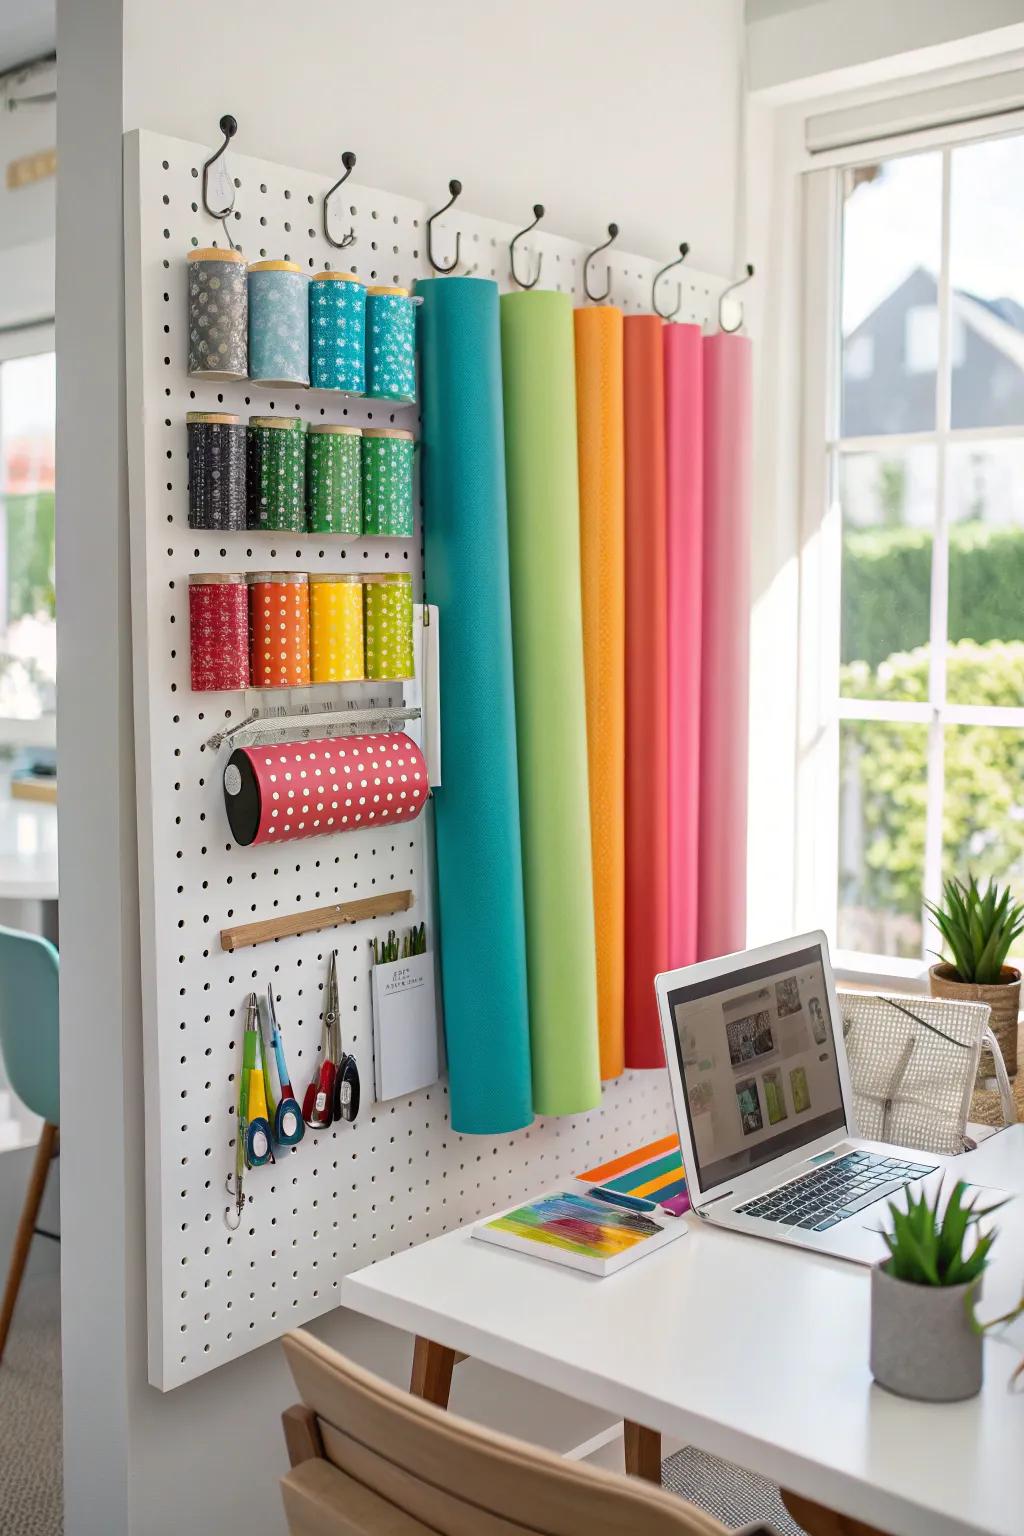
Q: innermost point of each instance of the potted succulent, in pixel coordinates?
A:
(977, 929)
(925, 1342)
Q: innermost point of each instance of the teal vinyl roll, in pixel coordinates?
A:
(476, 810)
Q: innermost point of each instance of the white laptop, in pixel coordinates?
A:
(761, 1089)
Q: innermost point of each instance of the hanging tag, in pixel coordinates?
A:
(220, 186)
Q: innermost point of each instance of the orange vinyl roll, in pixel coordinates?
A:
(646, 687)
(599, 428)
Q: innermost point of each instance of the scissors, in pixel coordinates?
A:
(346, 1075)
(288, 1123)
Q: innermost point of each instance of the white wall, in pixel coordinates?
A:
(599, 113)
(27, 213)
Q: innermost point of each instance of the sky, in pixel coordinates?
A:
(893, 225)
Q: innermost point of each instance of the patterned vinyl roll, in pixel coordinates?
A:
(387, 482)
(216, 471)
(309, 788)
(334, 479)
(278, 323)
(388, 624)
(390, 343)
(275, 474)
(218, 624)
(218, 314)
(336, 628)
(337, 332)
(279, 629)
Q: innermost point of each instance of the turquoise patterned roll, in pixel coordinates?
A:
(278, 323)
(390, 343)
(337, 332)
(476, 810)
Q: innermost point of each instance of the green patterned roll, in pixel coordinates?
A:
(276, 474)
(387, 482)
(334, 479)
(388, 626)
(538, 374)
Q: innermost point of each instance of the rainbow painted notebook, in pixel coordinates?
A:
(573, 1228)
(654, 1173)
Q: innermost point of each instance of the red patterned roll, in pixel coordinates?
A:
(308, 788)
(218, 623)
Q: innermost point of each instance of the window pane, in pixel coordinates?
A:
(891, 253)
(888, 511)
(882, 793)
(983, 810)
(985, 659)
(28, 646)
(987, 279)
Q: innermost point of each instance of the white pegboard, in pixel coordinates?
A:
(399, 1174)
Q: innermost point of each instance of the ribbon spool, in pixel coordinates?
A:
(218, 624)
(390, 343)
(334, 479)
(387, 617)
(278, 324)
(387, 482)
(337, 332)
(311, 788)
(276, 474)
(216, 471)
(218, 313)
(336, 628)
(279, 629)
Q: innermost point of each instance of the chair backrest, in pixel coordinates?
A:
(395, 1464)
(913, 1064)
(29, 1020)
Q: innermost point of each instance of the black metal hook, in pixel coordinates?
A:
(228, 127)
(599, 298)
(684, 251)
(538, 214)
(730, 329)
(455, 188)
(348, 160)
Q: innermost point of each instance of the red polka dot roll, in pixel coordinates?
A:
(275, 794)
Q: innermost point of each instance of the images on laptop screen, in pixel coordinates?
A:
(758, 1063)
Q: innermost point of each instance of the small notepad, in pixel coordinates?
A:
(405, 1041)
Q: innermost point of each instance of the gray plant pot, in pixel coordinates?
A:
(922, 1342)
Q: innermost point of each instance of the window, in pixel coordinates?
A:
(923, 687)
(28, 646)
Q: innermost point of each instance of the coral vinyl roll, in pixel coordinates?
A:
(646, 688)
(599, 426)
(279, 629)
(310, 788)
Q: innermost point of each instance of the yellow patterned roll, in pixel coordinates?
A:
(336, 627)
(388, 626)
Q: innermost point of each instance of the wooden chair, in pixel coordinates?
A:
(370, 1460)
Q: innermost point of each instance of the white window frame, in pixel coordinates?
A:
(28, 341)
(820, 707)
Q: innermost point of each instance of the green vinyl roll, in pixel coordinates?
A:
(539, 378)
(476, 808)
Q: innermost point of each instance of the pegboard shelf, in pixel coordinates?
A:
(273, 928)
(398, 1174)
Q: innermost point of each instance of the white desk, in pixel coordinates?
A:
(747, 1349)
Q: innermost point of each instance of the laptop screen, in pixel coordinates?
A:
(758, 1062)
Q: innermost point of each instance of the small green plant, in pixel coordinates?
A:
(978, 927)
(925, 1250)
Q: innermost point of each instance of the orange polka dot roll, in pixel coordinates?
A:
(279, 629)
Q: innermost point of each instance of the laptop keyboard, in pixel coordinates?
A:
(829, 1194)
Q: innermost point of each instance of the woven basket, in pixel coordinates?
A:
(1003, 997)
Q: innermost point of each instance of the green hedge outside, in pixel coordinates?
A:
(886, 586)
(983, 806)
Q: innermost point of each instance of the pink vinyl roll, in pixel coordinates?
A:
(337, 784)
(725, 660)
(684, 499)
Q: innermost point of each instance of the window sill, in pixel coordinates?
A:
(879, 972)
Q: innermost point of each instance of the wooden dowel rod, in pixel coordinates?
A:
(314, 918)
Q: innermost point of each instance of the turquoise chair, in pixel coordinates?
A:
(29, 972)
